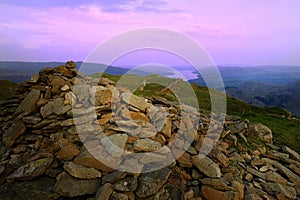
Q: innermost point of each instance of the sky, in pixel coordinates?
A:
(236, 32)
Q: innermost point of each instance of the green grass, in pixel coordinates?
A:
(285, 131)
(7, 89)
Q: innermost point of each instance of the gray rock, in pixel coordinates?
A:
(29, 103)
(119, 196)
(32, 169)
(135, 101)
(14, 131)
(2, 168)
(31, 119)
(291, 152)
(126, 185)
(273, 189)
(218, 184)
(112, 177)
(150, 183)
(207, 166)
(235, 128)
(104, 192)
(285, 171)
(62, 110)
(269, 176)
(52, 107)
(262, 131)
(81, 92)
(82, 172)
(146, 145)
(102, 95)
(56, 83)
(115, 144)
(69, 186)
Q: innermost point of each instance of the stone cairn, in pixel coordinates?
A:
(42, 155)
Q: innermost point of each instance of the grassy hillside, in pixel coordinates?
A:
(7, 89)
(286, 131)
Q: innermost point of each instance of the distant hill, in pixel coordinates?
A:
(267, 95)
(21, 71)
(265, 86)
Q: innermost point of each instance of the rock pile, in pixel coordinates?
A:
(42, 156)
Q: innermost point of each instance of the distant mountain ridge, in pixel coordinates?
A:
(269, 86)
(17, 72)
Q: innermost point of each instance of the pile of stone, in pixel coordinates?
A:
(58, 119)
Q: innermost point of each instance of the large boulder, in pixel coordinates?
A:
(262, 131)
(69, 186)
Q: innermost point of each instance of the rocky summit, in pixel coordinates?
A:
(55, 123)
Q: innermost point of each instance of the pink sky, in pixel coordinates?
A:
(256, 32)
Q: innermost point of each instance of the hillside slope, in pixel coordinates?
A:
(98, 141)
(285, 129)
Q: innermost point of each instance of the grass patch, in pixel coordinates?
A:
(7, 89)
(285, 131)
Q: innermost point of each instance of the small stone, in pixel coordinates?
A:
(13, 133)
(291, 152)
(82, 172)
(115, 144)
(218, 184)
(275, 177)
(264, 168)
(20, 148)
(86, 159)
(102, 95)
(65, 88)
(63, 110)
(31, 119)
(239, 188)
(147, 145)
(29, 103)
(126, 185)
(210, 193)
(119, 196)
(68, 152)
(147, 134)
(70, 99)
(207, 166)
(132, 165)
(34, 79)
(167, 130)
(249, 177)
(295, 168)
(185, 158)
(105, 118)
(2, 168)
(150, 183)
(56, 83)
(275, 188)
(137, 116)
(52, 107)
(113, 177)
(104, 192)
(69, 186)
(135, 101)
(189, 195)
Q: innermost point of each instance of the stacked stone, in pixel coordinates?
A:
(57, 119)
